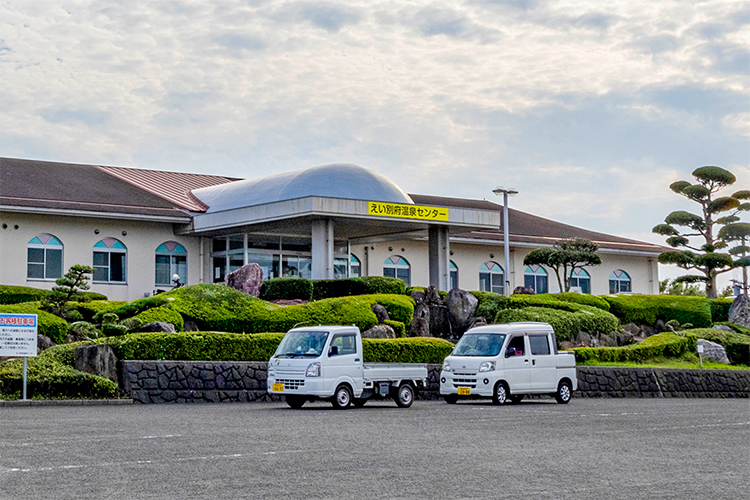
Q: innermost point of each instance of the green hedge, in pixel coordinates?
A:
(737, 345)
(567, 319)
(720, 309)
(398, 327)
(90, 309)
(490, 304)
(667, 344)
(422, 289)
(18, 294)
(580, 298)
(411, 350)
(735, 327)
(48, 324)
(327, 289)
(49, 378)
(286, 289)
(130, 309)
(380, 285)
(220, 308)
(646, 309)
(165, 314)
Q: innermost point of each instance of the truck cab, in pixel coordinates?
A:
(506, 362)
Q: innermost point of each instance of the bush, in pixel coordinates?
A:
(580, 298)
(90, 309)
(286, 289)
(48, 324)
(411, 350)
(83, 330)
(326, 289)
(646, 309)
(398, 327)
(51, 379)
(130, 309)
(114, 330)
(410, 289)
(375, 285)
(490, 304)
(667, 344)
(737, 345)
(18, 294)
(735, 327)
(567, 320)
(720, 309)
(164, 314)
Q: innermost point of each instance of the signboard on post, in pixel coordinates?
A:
(18, 333)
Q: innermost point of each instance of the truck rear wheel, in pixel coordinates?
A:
(500, 394)
(342, 398)
(405, 395)
(564, 393)
(295, 402)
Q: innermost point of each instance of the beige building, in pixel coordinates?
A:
(138, 228)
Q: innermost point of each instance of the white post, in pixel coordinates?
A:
(24, 377)
(506, 244)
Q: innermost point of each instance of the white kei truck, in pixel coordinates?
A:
(505, 362)
(326, 363)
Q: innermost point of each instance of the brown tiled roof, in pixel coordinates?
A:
(173, 186)
(71, 187)
(526, 228)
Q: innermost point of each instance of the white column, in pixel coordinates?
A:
(322, 249)
(439, 257)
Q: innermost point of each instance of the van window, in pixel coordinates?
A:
(539, 345)
(517, 344)
(346, 343)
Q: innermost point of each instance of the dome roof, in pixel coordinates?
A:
(337, 180)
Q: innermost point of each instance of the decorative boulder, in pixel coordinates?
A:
(522, 290)
(713, 351)
(43, 342)
(248, 279)
(379, 332)
(432, 296)
(158, 326)
(417, 296)
(723, 328)
(420, 323)
(632, 329)
(380, 313)
(461, 307)
(96, 359)
(739, 312)
(190, 326)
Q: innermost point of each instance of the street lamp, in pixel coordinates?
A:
(506, 241)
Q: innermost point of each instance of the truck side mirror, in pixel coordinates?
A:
(333, 351)
(510, 352)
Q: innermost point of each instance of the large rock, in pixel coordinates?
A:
(432, 296)
(461, 307)
(417, 296)
(380, 313)
(97, 359)
(43, 342)
(379, 332)
(247, 279)
(723, 328)
(420, 323)
(739, 312)
(440, 325)
(522, 290)
(632, 328)
(158, 326)
(713, 351)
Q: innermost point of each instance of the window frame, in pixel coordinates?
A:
(109, 250)
(490, 272)
(618, 282)
(172, 254)
(45, 246)
(536, 276)
(396, 266)
(580, 277)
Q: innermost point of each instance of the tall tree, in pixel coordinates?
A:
(566, 256)
(704, 258)
(739, 234)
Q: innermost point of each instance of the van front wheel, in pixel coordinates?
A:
(500, 395)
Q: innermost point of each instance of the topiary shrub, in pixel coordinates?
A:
(567, 321)
(130, 309)
(49, 378)
(398, 327)
(48, 324)
(580, 298)
(666, 344)
(382, 285)
(490, 304)
(90, 309)
(114, 330)
(109, 319)
(720, 309)
(19, 294)
(163, 314)
(326, 289)
(83, 330)
(286, 289)
(646, 309)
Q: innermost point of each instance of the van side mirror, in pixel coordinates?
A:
(333, 351)
(510, 352)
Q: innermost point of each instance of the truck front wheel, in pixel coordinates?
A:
(342, 398)
(564, 393)
(500, 395)
(405, 396)
(295, 402)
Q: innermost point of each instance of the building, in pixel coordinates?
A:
(139, 227)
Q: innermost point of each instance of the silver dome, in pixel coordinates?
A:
(337, 180)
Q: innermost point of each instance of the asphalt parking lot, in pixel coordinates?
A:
(626, 448)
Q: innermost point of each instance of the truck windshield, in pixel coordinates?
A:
(479, 344)
(301, 343)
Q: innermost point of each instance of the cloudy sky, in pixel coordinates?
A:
(589, 108)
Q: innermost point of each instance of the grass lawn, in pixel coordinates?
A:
(687, 361)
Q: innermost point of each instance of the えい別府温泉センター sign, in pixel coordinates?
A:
(407, 211)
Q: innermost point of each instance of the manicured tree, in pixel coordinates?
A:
(739, 233)
(74, 281)
(565, 256)
(704, 258)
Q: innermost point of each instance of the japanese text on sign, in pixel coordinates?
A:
(18, 334)
(407, 211)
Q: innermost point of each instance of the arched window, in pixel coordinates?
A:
(397, 267)
(44, 258)
(171, 258)
(110, 261)
(535, 277)
(355, 267)
(453, 268)
(619, 282)
(581, 278)
(491, 278)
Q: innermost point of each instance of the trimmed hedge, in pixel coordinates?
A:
(49, 378)
(567, 319)
(165, 314)
(286, 289)
(580, 298)
(304, 289)
(737, 345)
(720, 309)
(327, 289)
(490, 304)
(90, 309)
(737, 328)
(646, 309)
(667, 344)
(50, 325)
(411, 350)
(380, 285)
(410, 289)
(130, 309)
(398, 327)
(18, 294)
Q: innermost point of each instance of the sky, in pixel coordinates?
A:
(589, 109)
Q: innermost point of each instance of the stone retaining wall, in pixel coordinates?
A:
(242, 381)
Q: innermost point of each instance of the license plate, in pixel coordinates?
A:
(464, 391)
(278, 387)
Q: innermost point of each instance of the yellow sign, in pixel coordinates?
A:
(407, 211)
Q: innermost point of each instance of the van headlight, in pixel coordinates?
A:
(487, 366)
(313, 370)
(271, 373)
(447, 367)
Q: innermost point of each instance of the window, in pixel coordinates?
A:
(44, 258)
(171, 258)
(397, 267)
(582, 279)
(491, 278)
(516, 343)
(453, 268)
(110, 261)
(539, 345)
(356, 267)
(619, 282)
(535, 277)
(345, 343)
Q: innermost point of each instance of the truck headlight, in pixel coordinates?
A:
(447, 367)
(313, 370)
(487, 366)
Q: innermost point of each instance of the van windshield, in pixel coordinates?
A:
(301, 343)
(479, 344)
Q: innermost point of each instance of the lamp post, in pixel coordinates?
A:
(506, 240)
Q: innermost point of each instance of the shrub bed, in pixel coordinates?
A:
(89, 309)
(720, 309)
(48, 324)
(49, 378)
(737, 345)
(580, 298)
(409, 350)
(398, 327)
(667, 344)
(646, 309)
(164, 314)
(130, 309)
(286, 289)
(490, 304)
(18, 294)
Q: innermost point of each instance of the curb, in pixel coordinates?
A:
(67, 402)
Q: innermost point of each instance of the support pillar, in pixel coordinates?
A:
(322, 249)
(439, 251)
